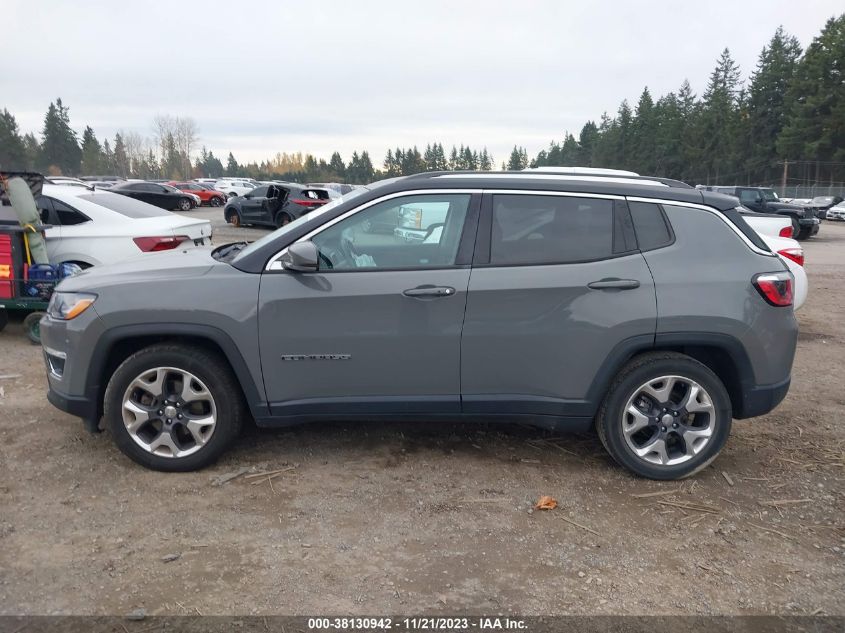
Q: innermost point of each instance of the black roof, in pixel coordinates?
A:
(607, 185)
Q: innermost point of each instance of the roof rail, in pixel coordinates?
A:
(539, 173)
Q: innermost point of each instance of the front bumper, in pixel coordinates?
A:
(809, 223)
(79, 406)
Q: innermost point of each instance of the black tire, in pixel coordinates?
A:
(639, 370)
(211, 370)
(4, 318)
(216, 201)
(185, 204)
(803, 234)
(283, 219)
(796, 228)
(32, 326)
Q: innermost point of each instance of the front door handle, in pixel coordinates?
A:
(614, 284)
(430, 291)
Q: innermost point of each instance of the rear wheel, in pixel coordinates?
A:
(173, 407)
(283, 219)
(185, 204)
(666, 416)
(803, 234)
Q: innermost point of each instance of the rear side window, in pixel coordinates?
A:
(650, 225)
(531, 229)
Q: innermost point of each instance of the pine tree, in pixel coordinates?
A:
(718, 110)
(92, 153)
(232, 167)
(815, 128)
(60, 150)
(337, 166)
(12, 150)
(121, 160)
(767, 105)
(643, 132)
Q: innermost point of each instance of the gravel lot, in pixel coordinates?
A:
(403, 519)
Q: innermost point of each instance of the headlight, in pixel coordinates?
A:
(69, 305)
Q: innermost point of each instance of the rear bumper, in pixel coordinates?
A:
(761, 399)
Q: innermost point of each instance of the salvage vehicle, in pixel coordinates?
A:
(651, 312)
(837, 212)
(97, 227)
(157, 194)
(273, 205)
(206, 195)
(764, 200)
(820, 205)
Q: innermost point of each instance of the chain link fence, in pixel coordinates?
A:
(811, 191)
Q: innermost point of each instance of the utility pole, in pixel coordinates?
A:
(783, 179)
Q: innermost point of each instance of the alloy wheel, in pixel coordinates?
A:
(668, 420)
(169, 412)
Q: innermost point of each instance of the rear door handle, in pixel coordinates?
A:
(430, 291)
(614, 284)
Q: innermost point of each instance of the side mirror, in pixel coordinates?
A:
(301, 257)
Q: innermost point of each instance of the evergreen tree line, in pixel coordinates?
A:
(791, 110)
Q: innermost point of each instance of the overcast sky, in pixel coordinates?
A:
(262, 77)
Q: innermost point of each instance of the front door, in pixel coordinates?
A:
(556, 287)
(377, 328)
(252, 206)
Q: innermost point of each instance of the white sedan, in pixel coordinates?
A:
(96, 227)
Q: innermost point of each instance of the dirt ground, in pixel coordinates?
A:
(408, 519)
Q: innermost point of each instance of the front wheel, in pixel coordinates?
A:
(173, 407)
(32, 326)
(666, 416)
(803, 234)
(216, 201)
(185, 204)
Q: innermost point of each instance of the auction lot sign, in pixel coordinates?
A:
(140, 623)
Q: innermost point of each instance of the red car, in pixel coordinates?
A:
(210, 197)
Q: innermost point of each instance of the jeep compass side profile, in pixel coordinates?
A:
(637, 305)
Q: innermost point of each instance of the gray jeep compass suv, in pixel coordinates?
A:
(640, 306)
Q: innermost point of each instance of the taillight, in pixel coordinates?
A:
(775, 288)
(786, 232)
(795, 254)
(161, 243)
(305, 202)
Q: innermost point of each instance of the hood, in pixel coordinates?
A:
(176, 264)
(786, 206)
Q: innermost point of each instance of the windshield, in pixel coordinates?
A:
(769, 195)
(299, 221)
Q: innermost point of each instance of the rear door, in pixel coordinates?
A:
(557, 289)
(377, 328)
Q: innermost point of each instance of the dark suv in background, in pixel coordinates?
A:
(644, 308)
(274, 205)
(764, 200)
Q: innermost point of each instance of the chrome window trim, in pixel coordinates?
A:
(701, 207)
(275, 264)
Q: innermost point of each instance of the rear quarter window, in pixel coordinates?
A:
(652, 228)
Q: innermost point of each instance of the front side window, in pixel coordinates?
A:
(530, 229)
(261, 192)
(421, 231)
